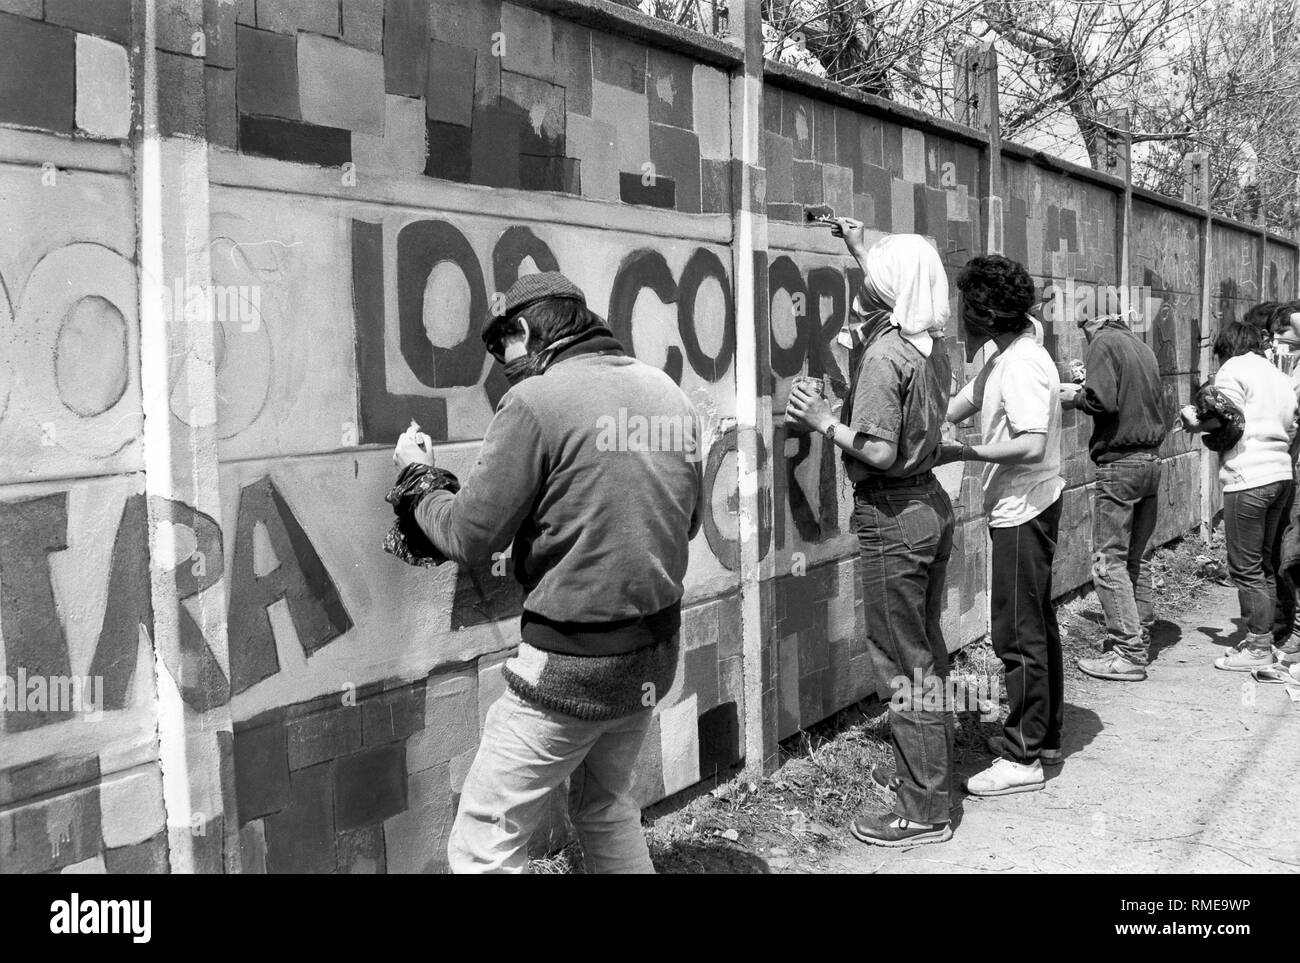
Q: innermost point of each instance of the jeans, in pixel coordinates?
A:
(1288, 574)
(1123, 519)
(1254, 520)
(526, 752)
(1025, 634)
(905, 540)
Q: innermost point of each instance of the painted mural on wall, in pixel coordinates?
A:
(358, 685)
(474, 91)
(396, 298)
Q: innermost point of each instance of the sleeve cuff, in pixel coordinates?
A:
(877, 431)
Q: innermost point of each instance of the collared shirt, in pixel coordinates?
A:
(901, 396)
(1017, 393)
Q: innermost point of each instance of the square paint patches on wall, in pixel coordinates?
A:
(322, 786)
(66, 814)
(500, 85)
(808, 654)
(32, 49)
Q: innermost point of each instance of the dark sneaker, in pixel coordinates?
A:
(887, 829)
(1113, 667)
(884, 780)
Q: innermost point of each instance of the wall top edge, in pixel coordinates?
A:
(632, 24)
(791, 78)
(1218, 220)
(1028, 154)
(1164, 200)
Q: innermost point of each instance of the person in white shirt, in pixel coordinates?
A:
(1016, 394)
(1258, 483)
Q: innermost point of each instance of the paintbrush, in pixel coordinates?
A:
(414, 431)
(819, 214)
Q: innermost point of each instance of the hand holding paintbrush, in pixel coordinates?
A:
(413, 446)
(848, 228)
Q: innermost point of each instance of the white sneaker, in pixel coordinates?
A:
(1005, 777)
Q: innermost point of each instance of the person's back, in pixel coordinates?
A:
(1258, 486)
(1123, 395)
(1267, 400)
(608, 534)
(592, 467)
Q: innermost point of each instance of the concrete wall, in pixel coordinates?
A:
(305, 207)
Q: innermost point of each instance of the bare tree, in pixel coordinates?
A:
(1215, 75)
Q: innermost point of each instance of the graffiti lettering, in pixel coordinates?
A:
(424, 245)
(299, 578)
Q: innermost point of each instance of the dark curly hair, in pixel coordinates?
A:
(1237, 338)
(1260, 314)
(998, 284)
(1280, 320)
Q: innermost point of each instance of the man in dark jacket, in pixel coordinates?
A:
(600, 516)
(1123, 395)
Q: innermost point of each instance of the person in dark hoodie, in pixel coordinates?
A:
(601, 527)
(1123, 395)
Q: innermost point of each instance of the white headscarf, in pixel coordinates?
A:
(905, 270)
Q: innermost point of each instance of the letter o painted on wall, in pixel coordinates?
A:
(421, 247)
(80, 291)
(724, 542)
(90, 357)
(705, 266)
(785, 277)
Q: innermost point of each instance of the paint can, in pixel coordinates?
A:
(818, 387)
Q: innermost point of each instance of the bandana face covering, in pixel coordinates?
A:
(525, 366)
(528, 365)
(977, 323)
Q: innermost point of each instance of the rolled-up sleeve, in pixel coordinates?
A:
(878, 400)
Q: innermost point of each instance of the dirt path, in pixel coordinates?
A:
(1194, 770)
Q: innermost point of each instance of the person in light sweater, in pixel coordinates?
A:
(1258, 483)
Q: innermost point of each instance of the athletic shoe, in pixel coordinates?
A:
(887, 829)
(1005, 777)
(1114, 667)
(1244, 660)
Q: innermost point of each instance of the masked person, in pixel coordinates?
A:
(600, 544)
(1123, 396)
(889, 434)
(1017, 396)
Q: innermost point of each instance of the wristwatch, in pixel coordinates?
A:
(829, 431)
